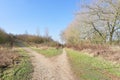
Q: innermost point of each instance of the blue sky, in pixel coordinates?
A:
(18, 16)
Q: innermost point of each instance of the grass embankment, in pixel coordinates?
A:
(20, 71)
(49, 52)
(92, 68)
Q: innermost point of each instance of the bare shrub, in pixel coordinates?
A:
(7, 58)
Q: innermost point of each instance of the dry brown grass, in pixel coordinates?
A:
(108, 52)
(7, 58)
(89, 46)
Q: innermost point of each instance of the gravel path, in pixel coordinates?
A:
(57, 68)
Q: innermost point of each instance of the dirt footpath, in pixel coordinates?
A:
(56, 68)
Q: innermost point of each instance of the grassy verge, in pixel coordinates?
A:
(90, 68)
(50, 52)
(20, 71)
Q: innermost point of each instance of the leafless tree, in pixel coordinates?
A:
(71, 34)
(102, 16)
(38, 32)
(46, 33)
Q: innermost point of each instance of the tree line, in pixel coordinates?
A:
(96, 22)
(6, 39)
(10, 40)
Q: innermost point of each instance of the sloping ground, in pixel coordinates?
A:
(111, 53)
(114, 56)
(15, 65)
(50, 69)
(7, 58)
(92, 68)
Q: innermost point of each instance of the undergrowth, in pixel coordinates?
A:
(91, 68)
(21, 70)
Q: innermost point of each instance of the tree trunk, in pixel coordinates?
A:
(111, 37)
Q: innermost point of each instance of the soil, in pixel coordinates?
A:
(56, 68)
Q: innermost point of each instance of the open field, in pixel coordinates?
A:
(48, 52)
(21, 69)
(92, 68)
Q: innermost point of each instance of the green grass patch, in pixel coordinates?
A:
(92, 68)
(21, 71)
(50, 52)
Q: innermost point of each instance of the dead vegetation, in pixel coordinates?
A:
(8, 58)
(105, 51)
